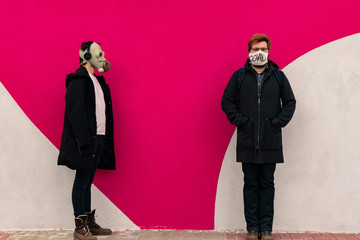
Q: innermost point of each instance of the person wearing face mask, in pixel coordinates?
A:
(259, 101)
(87, 141)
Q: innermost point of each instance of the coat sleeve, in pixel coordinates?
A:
(229, 104)
(288, 104)
(76, 111)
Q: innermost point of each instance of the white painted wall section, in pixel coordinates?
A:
(318, 186)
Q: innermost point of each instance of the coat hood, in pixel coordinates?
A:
(81, 72)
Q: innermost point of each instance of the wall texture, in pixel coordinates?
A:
(170, 64)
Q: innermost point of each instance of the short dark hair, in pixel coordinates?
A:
(84, 46)
(257, 37)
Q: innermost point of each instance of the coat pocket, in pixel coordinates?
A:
(80, 157)
(245, 136)
(88, 149)
(271, 137)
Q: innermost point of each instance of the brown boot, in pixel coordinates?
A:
(266, 235)
(252, 235)
(81, 231)
(95, 229)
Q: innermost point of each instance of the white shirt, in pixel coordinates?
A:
(99, 106)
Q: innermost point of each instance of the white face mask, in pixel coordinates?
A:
(258, 58)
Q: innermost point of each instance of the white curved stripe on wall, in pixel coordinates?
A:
(35, 193)
(318, 186)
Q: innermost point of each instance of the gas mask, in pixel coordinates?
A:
(95, 56)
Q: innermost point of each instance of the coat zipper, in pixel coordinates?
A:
(258, 135)
(259, 103)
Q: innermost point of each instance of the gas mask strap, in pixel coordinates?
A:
(87, 55)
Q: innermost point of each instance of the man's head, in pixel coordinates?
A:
(257, 38)
(258, 49)
(90, 52)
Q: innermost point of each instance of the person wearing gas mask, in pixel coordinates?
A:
(259, 101)
(87, 141)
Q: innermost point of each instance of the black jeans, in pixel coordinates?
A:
(81, 192)
(259, 192)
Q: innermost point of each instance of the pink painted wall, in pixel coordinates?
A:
(170, 64)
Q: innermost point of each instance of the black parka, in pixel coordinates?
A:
(259, 119)
(78, 142)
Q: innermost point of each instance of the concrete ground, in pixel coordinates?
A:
(169, 234)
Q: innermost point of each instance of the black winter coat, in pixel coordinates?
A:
(259, 119)
(78, 142)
